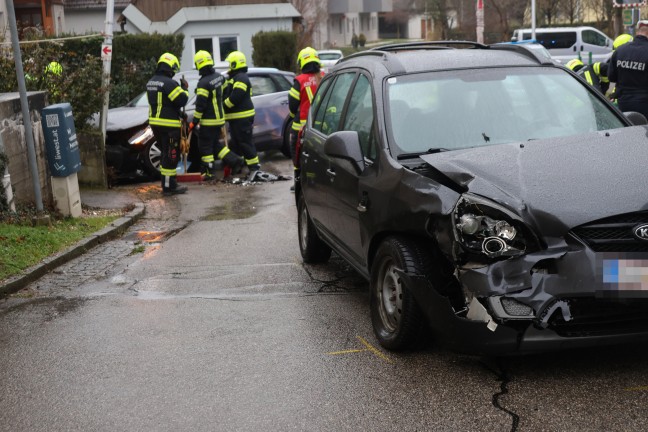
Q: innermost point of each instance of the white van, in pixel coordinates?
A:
(566, 43)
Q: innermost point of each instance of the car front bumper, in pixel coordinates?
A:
(574, 300)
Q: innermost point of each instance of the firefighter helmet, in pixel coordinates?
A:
(54, 68)
(574, 64)
(236, 60)
(621, 40)
(202, 59)
(307, 55)
(170, 60)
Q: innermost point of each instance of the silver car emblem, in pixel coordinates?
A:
(641, 232)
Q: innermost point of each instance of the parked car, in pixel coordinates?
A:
(487, 191)
(566, 43)
(131, 149)
(329, 58)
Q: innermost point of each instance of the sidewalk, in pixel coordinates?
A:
(117, 198)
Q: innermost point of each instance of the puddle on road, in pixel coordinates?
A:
(237, 209)
(49, 308)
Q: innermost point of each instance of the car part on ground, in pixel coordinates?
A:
(484, 190)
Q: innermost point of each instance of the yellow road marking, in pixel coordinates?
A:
(374, 350)
(642, 388)
(347, 351)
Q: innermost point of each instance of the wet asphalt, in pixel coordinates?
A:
(202, 316)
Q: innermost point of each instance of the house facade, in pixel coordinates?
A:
(349, 17)
(217, 26)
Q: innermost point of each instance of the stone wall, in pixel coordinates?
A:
(12, 132)
(15, 147)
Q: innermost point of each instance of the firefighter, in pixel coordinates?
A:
(586, 72)
(239, 112)
(301, 96)
(209, 114)
(166, 100)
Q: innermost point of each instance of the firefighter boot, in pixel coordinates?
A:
(170, 186)
(207, 171)
(236, 163)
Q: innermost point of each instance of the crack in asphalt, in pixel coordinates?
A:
(504, 378)
(325, 284)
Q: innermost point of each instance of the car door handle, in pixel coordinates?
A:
(330, 173)
(285, 102)
(305, 154)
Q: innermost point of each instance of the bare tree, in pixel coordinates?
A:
(570, 9)
(313, 14)
(603, 12)
(548, 10)
(508, 11)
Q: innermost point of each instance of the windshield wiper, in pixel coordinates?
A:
(415, 155)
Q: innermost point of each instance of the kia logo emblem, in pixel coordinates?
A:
(641, 232)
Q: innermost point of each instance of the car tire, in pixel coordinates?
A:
(285, 147)
(152, 156)
(312, 247)
(395, 315)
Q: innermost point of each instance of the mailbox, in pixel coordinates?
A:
(61, 142)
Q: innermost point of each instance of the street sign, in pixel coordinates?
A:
(106, 52)
(628, 3)
(628, 17)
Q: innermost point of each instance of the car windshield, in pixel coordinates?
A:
(453, 110)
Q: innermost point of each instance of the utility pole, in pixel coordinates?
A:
(106, 57)
(24, 104)
(533, 19)
(480, 21)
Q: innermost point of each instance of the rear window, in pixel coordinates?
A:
(554, 40)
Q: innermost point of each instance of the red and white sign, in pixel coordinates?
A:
(106, 52)
(628, 3)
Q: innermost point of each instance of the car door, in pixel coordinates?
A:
(596, 43)
(346, 201)
(324, 119)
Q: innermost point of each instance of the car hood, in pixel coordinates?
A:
(126, 117)
(557, 184)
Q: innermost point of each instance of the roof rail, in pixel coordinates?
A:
(429, 45)
(537, 55)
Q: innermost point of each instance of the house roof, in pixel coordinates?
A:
(210, 13)
(94, 4)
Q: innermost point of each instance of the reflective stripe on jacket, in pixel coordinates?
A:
(166, 99)
(209, 99)
(238, 97)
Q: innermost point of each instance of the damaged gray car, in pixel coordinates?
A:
(485, 192)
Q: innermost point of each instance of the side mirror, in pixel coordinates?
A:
(345, 145)
(637, 119)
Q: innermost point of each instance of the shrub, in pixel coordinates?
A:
(275, 49)
(362, 39)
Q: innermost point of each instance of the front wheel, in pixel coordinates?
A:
(152, 157)
(395, 315)
(311, 246)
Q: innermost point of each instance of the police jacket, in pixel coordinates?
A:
(238, 96)
(628, 68)
(166, 99)
(209, 98)
(301, 96)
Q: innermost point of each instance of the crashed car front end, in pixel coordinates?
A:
(522, 293)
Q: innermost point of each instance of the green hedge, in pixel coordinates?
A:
(275, 49)
(133, 62)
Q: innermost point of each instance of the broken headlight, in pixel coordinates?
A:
(485, 229)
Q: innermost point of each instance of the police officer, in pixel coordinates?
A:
(628, 69)
(239, 112)
(209, 114)
(301, 96)
(166, 99)
(601, 69)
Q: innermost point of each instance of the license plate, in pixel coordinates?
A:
(625, 274)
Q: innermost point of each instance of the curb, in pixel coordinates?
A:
(114, 230)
